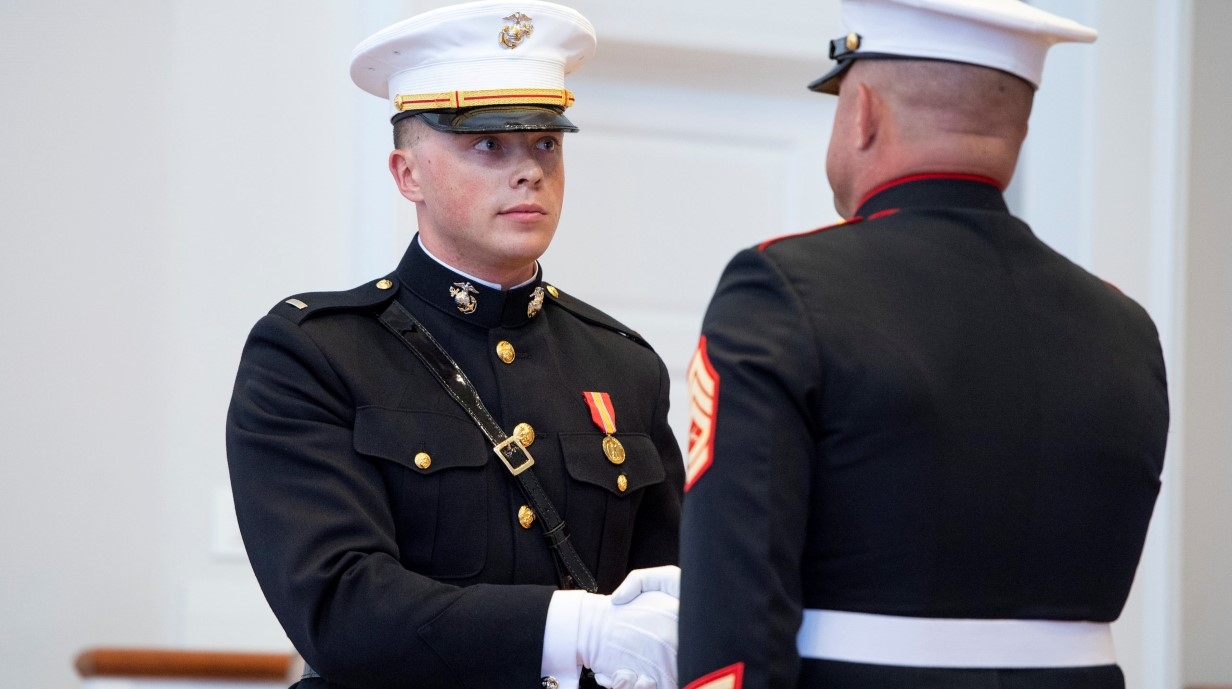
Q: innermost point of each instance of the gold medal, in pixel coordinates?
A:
(614, 450)
(604, 415)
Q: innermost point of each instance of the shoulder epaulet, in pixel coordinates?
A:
(591, 315)
(301, 307)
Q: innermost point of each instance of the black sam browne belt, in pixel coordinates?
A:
(570, 569)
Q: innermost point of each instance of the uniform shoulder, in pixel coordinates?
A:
(301, 307)
(589, 314)
(799, 235)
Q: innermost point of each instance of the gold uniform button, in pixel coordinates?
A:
(423, 460)
(525, 434)
(384, 284)
(553, 291)
(853, 42)
(526, 516)
(622, 483)
(505, 352)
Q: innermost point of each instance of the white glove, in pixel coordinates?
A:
(639, 581)
(629, 646)
(625, 679)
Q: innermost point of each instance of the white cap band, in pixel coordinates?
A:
(478, 46)
(1008, 35)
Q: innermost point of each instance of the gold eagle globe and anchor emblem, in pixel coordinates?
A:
(536, 303)
(463, 294)
(512, 35)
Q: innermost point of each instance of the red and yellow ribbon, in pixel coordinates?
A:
(601, 410)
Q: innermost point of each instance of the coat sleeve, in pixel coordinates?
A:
(320, 535)
(656, 535)
(746, 509)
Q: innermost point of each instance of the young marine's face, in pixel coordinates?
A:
(489, 203)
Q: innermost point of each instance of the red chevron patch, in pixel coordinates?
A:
(730, 677)
(703, 407)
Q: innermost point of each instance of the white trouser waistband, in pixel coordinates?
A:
(936, 642)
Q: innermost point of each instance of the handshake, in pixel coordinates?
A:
(629, 638)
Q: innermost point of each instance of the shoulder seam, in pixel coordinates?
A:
(797, 301)
(307, 304)
(585, 312)
(842, 223)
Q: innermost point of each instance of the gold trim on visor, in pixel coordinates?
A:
(473, 99)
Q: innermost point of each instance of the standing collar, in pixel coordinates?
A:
(935, 190)
(467, 298)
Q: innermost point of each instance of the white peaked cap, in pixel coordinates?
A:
(1008, 35)
(500, 54)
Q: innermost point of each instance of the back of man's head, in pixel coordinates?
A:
(934, 86)
(898, 118)
(935, 98)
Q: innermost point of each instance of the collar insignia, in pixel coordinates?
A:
(536, 303)
(463, 296)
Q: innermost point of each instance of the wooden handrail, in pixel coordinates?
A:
(151, 662)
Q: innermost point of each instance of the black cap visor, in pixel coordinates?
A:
(828, 83)
(499, 118)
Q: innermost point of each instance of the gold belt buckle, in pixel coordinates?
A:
(500, 452)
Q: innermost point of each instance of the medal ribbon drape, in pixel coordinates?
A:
(604, 415)
(601, 411)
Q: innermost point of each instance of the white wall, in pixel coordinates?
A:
(84, 376)
(1207, 431)
(172, 168)
(260, 199)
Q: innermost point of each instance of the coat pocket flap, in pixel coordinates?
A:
(405, 437)
(586, 461)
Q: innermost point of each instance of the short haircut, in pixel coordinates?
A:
(407, 132)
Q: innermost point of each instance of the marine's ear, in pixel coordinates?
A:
(405, 169)
(868, 116)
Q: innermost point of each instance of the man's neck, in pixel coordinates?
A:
(503, 282)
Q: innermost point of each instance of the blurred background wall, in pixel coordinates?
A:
(170, 169)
